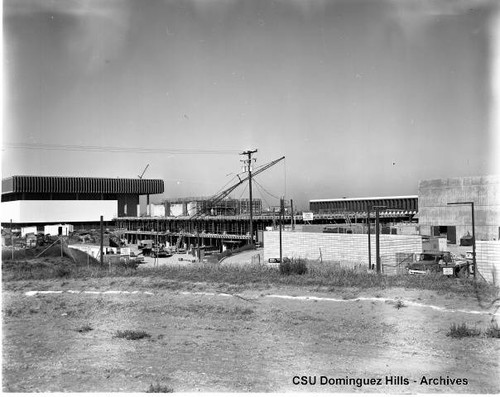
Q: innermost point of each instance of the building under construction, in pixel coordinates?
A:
(191, 206)
(221, 221)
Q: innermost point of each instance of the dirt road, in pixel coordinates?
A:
(205, 338)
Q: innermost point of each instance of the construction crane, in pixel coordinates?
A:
(143, 172)
(220, 196)
(148, 209)
(217, 198)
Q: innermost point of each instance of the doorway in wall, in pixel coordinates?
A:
(450, 232)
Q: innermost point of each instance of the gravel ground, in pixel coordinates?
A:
(203, 339)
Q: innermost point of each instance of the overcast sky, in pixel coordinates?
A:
(364, 98)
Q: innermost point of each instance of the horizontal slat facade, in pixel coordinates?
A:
(409, 203)
(51, 184)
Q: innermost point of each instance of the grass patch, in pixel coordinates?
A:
(463, 331)
(310, 274)
(399, 304)
(74, 264)
(159, 388)
(132, 335)
(293, 266)
(84, 328)
(493, 331)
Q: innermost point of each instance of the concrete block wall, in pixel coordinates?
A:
(488, 260)
(347, 248)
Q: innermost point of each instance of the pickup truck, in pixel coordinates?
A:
(439, 262)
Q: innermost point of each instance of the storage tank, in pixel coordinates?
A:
(176, 209)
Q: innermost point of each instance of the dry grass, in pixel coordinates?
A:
(159, 388)
(463, 331)
(132, 335)
(230, 277)
(493, 331)
(84, 328)
(399, 304)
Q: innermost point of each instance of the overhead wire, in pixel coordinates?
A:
(116, 149)
(262, 197)
(243, 191)
(284, 170)
(265, 190)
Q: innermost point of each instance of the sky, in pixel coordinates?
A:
(363, 98)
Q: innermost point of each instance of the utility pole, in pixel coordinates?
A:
(291, 210)
(61, 241)
(248, 163)
(281, 227)
(102, 241)
(11, 240)
(377, 209)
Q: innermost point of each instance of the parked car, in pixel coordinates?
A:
(439, 262)
(155, 253)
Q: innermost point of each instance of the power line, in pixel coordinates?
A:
(116, 149)
(265, 190)
(263, 198)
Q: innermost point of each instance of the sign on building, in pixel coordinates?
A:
(307, 216)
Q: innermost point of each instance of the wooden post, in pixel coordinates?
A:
(11, 241)
(281, 227)
(102, 241)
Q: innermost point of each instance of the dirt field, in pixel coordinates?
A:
(206, 338)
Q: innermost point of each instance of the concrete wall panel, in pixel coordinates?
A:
(483, 191)
(58, 211)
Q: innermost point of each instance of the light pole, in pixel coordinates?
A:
(377, 209)
(471, 203)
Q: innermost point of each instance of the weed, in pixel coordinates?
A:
(132, 335)
(399, 304)
(84, 328)
(159, 388)
(293, 266)
(10, 312)
(296, 272)
(239, 312)
(493, 331)
(462, 331)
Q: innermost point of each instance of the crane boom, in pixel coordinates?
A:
(143, 172)
(220, 196)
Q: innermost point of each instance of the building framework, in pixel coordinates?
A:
(197, 206)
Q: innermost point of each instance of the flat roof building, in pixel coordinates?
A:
(437, 217)
(43, 199)
(408, 204)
